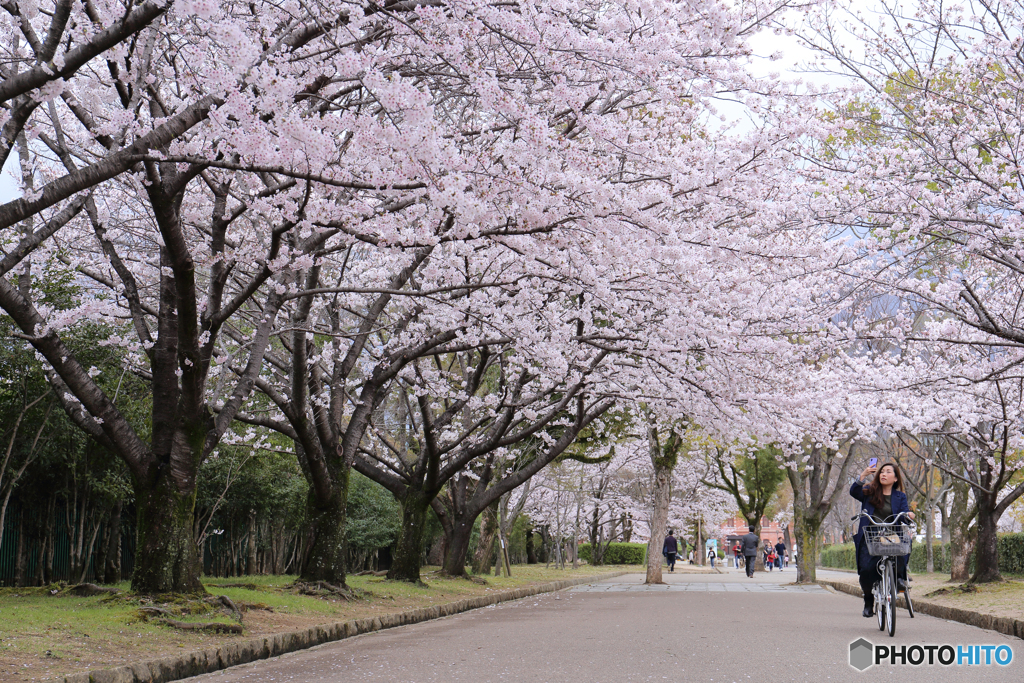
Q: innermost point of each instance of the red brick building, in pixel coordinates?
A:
(733, 529)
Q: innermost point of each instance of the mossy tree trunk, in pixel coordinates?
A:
(817, 480)
(167, 559)
(325, 555)
(409, 550)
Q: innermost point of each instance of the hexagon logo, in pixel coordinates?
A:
(862, 654)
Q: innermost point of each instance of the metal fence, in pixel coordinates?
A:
(25, 535)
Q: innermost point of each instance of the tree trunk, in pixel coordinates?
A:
(438, 551)
(807, 530)
(405, 566)
(250, 559)
(458, 546)
(112, 565)
(485, 545)
(531, 551)
(324, 557)
(961, 544)
(166, 558)
(929, 530)
(50, 542)
(19, 553)
(986, 559)
(659, 520)
(100, 558)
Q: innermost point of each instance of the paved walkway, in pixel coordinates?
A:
(718, 628)
(727, 581)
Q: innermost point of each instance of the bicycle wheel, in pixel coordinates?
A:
(890, 599)
(877, 591)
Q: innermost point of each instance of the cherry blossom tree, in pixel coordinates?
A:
(308, 200)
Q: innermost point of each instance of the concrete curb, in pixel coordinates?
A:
(1004, 625)
(243, 652)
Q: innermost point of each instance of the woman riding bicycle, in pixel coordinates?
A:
(882, 498)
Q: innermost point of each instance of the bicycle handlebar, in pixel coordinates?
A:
(874, 521)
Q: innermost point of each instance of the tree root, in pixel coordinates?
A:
(370, 572)
(322, 589)
(226, 602)
(87, 589)
(954, 590)
(247, 586)
(214, 626)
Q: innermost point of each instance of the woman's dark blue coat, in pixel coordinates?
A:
(899, 504)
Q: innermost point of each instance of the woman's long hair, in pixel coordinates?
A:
(874, 489)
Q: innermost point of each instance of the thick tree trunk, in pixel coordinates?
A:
(166, 559)
(485, 545)
(807, 530)
(961, 544)
(986, 560)
(409, 551)
(458, 546)
(324, 557)
(659, 520)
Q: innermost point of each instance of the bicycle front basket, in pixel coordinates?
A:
(887, 540)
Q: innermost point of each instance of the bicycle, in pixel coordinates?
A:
(888, 541)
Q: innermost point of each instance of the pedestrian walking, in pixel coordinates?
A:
(749, 546)
(712, 555)
(669, 550)
(780, 552)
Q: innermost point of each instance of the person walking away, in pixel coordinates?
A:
(737, 555)
(749, 545)
(882, 498)
(780, 552)
(670, 549)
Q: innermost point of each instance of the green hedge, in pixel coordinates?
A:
(618, 553)
(1011, 556)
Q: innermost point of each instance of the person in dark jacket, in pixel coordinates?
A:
(750, 543)
(669, 550)
(882, 498)
(780, 552)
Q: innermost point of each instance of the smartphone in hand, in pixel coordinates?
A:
(873, 462)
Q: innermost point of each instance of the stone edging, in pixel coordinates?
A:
(243, 652)
(1004, 625)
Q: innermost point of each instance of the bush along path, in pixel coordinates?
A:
(53, 632)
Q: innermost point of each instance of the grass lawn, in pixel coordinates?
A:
(43, 636)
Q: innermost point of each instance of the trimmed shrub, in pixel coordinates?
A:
(1011, 553)
(839, 556)
(1010, 548)
(618, 553)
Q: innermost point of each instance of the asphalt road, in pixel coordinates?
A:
(718, 628)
